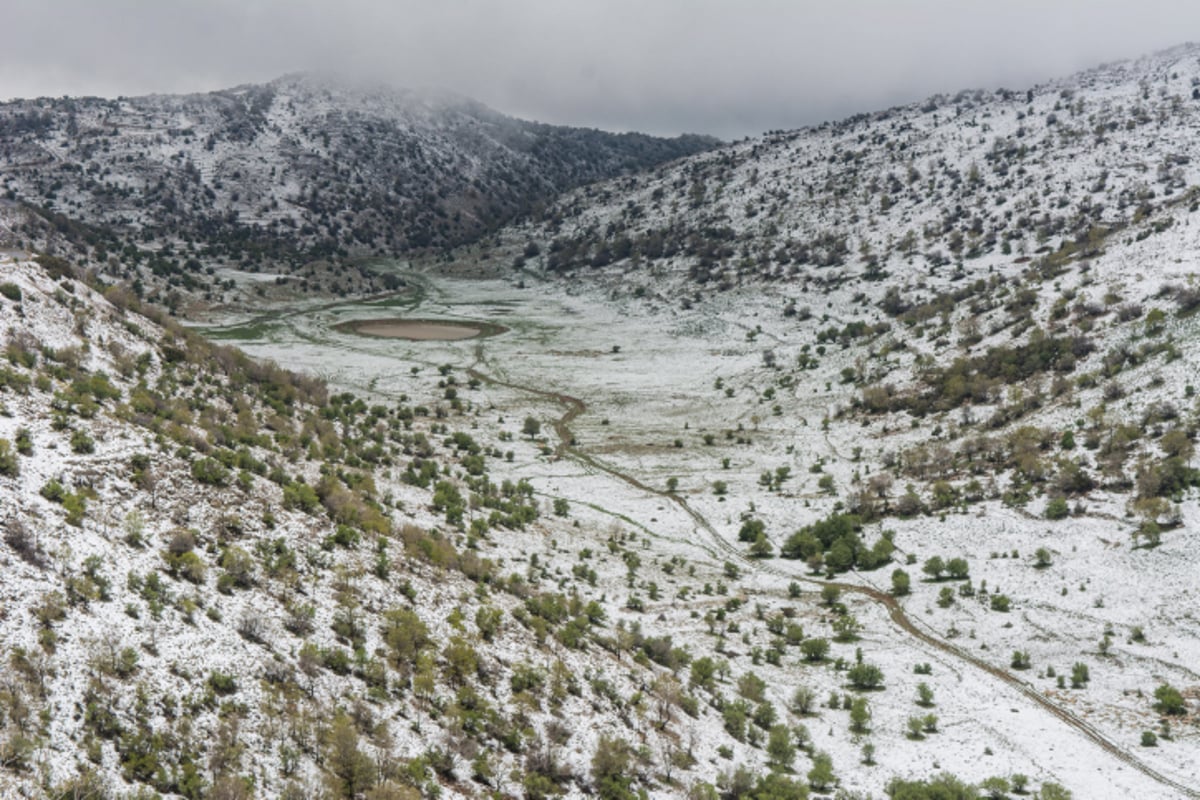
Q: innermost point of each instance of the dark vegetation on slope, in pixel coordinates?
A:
(291, 171)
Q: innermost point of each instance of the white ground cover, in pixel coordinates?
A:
(647, 373)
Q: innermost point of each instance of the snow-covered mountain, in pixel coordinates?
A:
(819, 462)
(303, 167)
(955, 186)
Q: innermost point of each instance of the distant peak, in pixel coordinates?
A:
(336, 83)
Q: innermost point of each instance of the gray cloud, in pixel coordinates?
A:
(663, 66)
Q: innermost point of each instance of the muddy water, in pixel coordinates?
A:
(413, 330)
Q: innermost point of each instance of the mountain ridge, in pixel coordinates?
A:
(281, 174)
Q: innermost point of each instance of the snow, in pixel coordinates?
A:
(619, 339)
(660, 378)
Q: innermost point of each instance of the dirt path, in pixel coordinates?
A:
(285, 312)
(566, 449)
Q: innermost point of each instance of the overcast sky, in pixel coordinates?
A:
(662, 66)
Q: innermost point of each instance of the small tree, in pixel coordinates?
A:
(900, 582)
(934, 567)
(610, 769)
(762, 547)
(995, 787)
(1169, 700)
(865, 676)
(8, 460)
(846, 628)
(406, 635)
(821, 776)
(802, 700)
(751, 530)
(352, 771)
(915, 726)
(82, 443)
(860, 715)
(751, 687)
(703, 673)
(780, 749)
(958, 568)
(210, 471)
(815, 649)
(1057, 508)
(924, 695)
(1079, 675)
(1053, 791)
(532, 427)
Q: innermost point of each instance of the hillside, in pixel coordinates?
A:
(221, 581)
(975, 327)
(851, 462)
(274, 176)
(1030, 287)
(936, 192)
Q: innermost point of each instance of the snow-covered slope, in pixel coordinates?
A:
(300, 168)
(968, 184)
(758, 408)
(204, 591)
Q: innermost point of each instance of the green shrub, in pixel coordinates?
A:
(210, 471)
(343, 536)
(1057, 508)
(82, 443)
(53, 491)
(8, 460)
(11, 291)
(187, 565)
(865, 676)
(239, 570)
(1169, 700)
(337, 660)
(221, 683)
(301, 496)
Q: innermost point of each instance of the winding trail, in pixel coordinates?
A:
(283, 313)
(566, 449)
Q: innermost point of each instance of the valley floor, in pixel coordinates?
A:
(643, 377)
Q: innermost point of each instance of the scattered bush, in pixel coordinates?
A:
(210, 471)
(1057, 508)
(24, 543)
(221, 683)
(9, 467)
(1169, 700)
(865, 676)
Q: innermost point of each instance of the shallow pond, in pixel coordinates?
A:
(419, 330)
